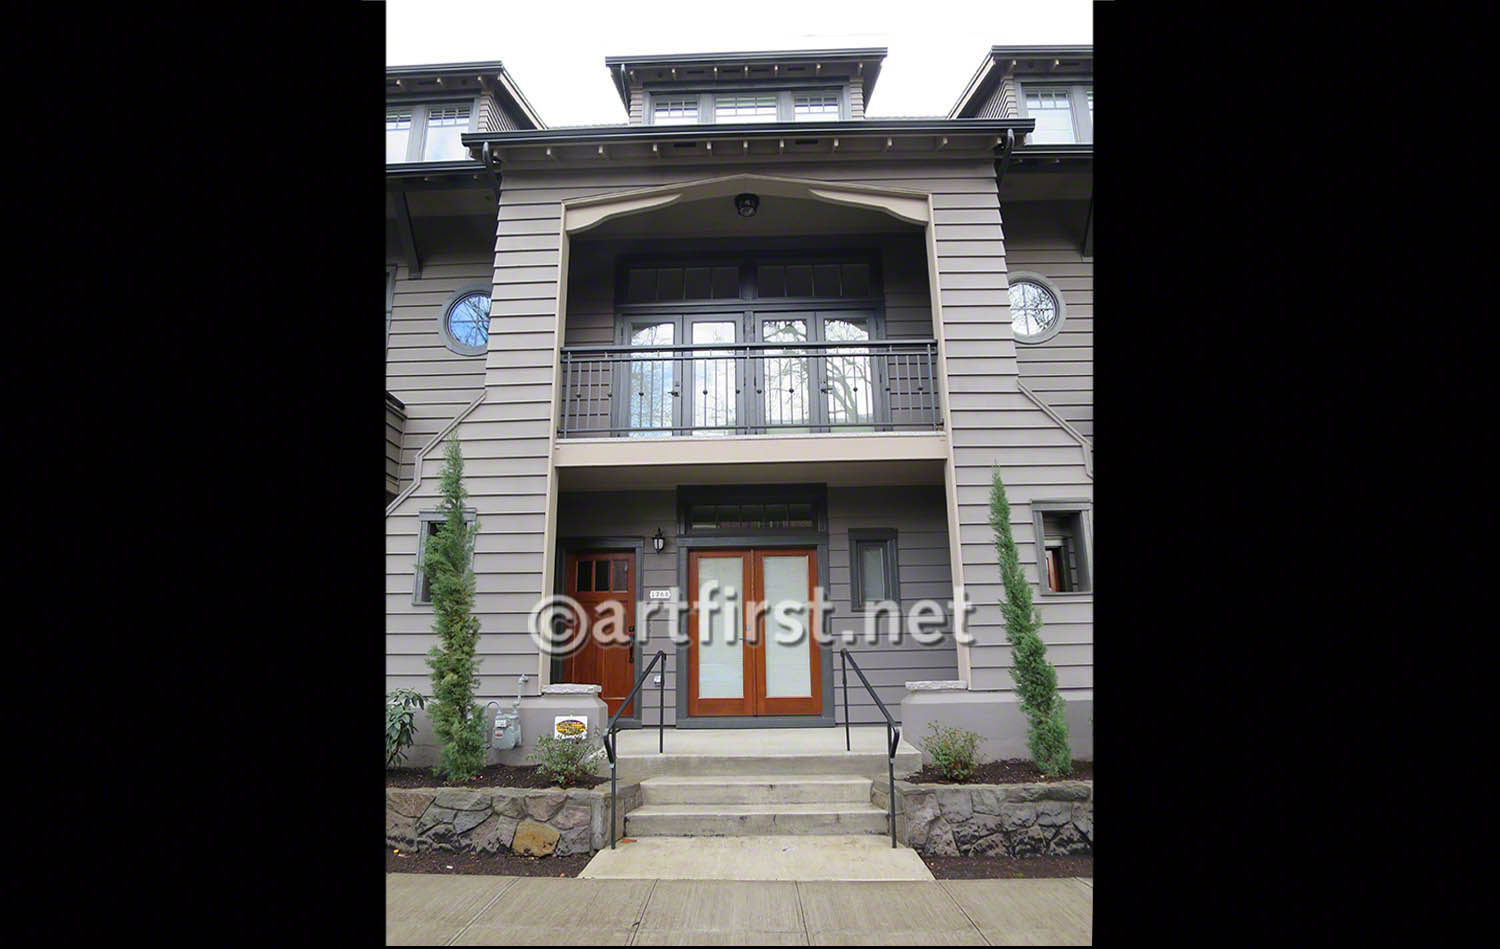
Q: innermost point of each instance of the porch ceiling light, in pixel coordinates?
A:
(746, 204)
(658, 541)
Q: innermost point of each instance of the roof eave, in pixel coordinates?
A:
(648, 133)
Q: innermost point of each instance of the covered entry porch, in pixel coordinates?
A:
(839, 548)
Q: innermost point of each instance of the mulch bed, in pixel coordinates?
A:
(990, 868)
(495, 776)
(500, 864)
(1013, 771)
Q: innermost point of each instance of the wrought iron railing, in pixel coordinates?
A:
(892, 730)
(749, 388)
(661, 725)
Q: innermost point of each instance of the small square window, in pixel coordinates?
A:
(432, 522)
(872, 568)
(1063, 555)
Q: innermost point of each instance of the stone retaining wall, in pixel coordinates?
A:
(532, 821)
(1010, 820)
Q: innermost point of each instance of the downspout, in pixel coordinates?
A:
(487, 156)
(1004, 162)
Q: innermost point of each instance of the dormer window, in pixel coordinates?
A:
(397, 134)
(427, 131)
(683, 111)
(445, 123)
(1064, 113)
(677, 106)
(815, 106)
(759, 107)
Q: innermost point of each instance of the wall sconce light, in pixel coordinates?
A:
(746, 204)
(658, 541)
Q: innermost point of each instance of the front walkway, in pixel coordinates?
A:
(814, 857)
(436, 909)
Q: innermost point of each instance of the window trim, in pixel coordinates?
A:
(1031, 276)
(1084, 508)
(471, 517)
(886, 537)
(453, 343)
(416, 139)
(1083, 124)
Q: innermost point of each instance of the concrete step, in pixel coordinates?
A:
(758, 789)
(868, 764)
(745, 820)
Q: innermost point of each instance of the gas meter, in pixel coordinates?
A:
(505, 727)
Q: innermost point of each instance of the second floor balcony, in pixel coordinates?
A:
(749, 388)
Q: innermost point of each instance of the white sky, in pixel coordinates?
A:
(555, 50)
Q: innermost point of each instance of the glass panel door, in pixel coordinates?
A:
(714, 393)
(717, 670)
(849, 376)
(652, 384)
(785, 404)
(788, 640)
(789, 678)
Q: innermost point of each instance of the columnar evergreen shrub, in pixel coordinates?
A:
(457, 719)
(1036, 680)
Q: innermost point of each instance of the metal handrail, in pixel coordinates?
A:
(749, 388)
(893, 732)
(661, 725)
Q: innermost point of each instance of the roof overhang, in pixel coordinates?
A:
(894, 137)
(868, 59)
(1039, 59)
(490, 76)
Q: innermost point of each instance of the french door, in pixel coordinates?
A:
(773, 390)
(752, 629)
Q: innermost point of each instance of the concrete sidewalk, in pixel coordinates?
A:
(436, 909)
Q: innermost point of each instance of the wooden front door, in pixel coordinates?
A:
(746, 656)
(596, 579)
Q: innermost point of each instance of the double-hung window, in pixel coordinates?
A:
(427, 131)
(1064, 113)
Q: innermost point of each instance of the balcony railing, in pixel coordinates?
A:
(749, 389)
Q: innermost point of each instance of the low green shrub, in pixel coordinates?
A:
(400, 712)
(565, 760)
(954, 751)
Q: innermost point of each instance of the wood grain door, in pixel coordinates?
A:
(596, 578)
(783, 640)
(720, 674)
(745, 657)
